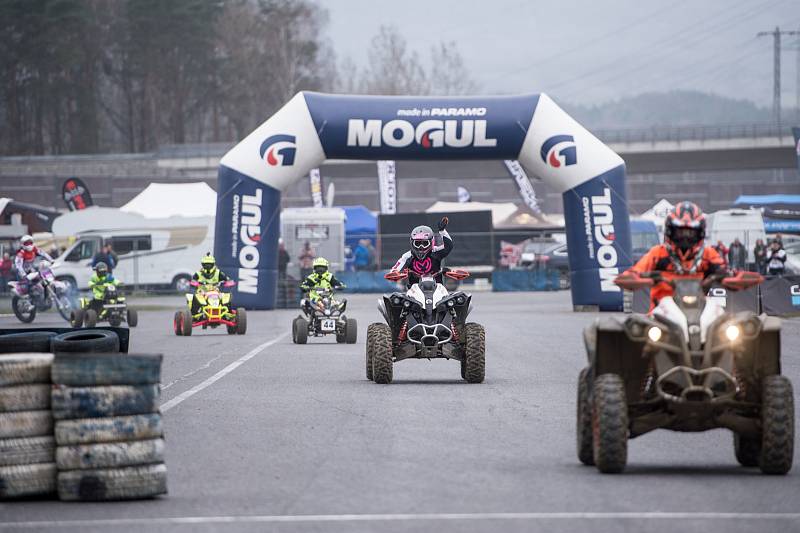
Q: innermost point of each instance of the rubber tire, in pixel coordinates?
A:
(27, 450)
(108, 429)
(302, 330)
(26, 424)
(32, 397)
(241, 321)
(230, 329)
(130, 483)
(22, 318)
(382, 355)
(777, 425)
(294, 331)
(747, 450)
(90, 320)
(86, 370)
(475, 353)
(112, 400)
(584, 421)
(610, 424)
(77, 317)
(110, 454)
(27, 480)
(132, 317)
(351, 331)
(33, 341)
(86, 341)
(186, 323)
(177, 327)
(370, 346)
(177, 280)
(25, 368)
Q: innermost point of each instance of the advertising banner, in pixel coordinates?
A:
(76, 194)
(315, 184)
(524, 184)
(387, 187)
(796, 132)
(780, 296)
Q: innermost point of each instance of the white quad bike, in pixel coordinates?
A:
(688, 366)
(43, 291)
(426, 322)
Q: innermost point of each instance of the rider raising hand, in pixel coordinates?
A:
(426, 256)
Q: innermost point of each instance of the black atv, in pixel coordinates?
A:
(690, 365)
(426, 322)
(115, 310)
(324, 316)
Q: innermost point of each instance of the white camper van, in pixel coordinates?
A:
(728, 224)
(154, 257)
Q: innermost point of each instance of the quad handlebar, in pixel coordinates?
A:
(631, 281)
(452, 273)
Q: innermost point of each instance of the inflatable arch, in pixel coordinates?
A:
(313, 127)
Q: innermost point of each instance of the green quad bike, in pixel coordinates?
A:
(115, 310)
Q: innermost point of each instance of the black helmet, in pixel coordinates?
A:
(101, 268)
(421, 241)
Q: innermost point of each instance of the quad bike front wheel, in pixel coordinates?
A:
(177, 327)
(474, 363)
(186, 323)
(777, 425)
(301, 330)
(610, 424)
(382, 355)
(241, 321)
(76, 318)
(90, 319)
(24, 317)
(132, 317)
(351, 331)
(584, 420)
(371, 330)
(747, 449)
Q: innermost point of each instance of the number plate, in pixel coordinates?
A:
(328, 325)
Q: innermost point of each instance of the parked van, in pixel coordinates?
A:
(151, 257)
(728, 224)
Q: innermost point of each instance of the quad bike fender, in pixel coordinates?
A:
(189, 298)
(611, 351)
(768, 352)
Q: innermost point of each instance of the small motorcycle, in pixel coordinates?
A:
(324, 316)
(214, 311)
(115, 310)
(41, 292)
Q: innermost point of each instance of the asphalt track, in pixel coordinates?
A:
(264, 435)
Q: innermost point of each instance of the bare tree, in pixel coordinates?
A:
(392, 68)
(449, 75)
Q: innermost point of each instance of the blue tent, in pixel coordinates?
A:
(773, 200)
(359, 224)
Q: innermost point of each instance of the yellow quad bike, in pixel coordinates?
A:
(214, 311)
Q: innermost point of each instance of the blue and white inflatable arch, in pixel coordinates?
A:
(313, 127)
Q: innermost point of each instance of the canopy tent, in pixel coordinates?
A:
(781, 212)
(500, 211)
(164, 200)
(360, 223)
(523, 217)
(772, 200)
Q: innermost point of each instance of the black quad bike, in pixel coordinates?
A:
(114, 309)
(426, 322)
(324, 316)
(690, 365)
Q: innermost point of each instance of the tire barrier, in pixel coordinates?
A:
(108, 429)
(19, 340)
(27, 446)
(525, 280)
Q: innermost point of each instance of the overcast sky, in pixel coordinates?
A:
(589, 51)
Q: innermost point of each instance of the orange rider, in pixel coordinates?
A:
(683, 254)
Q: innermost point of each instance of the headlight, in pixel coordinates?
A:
(406, 304)
(213, 301)
(450, 303)
(689, 299)
(732, 332)
(327, 312)
(654, 334)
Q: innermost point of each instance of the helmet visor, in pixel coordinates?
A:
(686, 238)
(421, 244)
(320, 269)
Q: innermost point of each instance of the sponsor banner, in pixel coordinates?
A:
(391, 127)
(387, 186)
(76, 194)
(315, 184)
(796, 132)
(524, 184)
(780, 296)
(464, 195)
(599, 239)
(246, 237)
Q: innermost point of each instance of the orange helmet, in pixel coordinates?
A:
(685, 227)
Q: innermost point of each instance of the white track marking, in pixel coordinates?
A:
(192, 520)
(219, 375)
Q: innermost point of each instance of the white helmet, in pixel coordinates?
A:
(27, 243)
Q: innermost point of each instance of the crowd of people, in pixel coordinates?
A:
(769, 258)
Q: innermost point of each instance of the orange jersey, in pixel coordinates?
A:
(658, 259)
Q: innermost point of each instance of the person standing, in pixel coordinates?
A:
(760, 254)
(737, 255)
(283, 259)
(361, 256)
(721, 250)
(776, 259)
(6, 274)
(106, 255)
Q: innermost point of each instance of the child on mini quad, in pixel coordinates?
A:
(208, 274)
(208, 305)
(99, 307)
(321, 278)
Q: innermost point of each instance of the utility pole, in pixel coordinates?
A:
(776, 84)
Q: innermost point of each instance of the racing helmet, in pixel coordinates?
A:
(208, 263)
(685, 227)
(421, 241)
(320, 265)
(26, 242)
(101, 269)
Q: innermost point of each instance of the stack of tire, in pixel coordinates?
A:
(27, 448)
(108, 428)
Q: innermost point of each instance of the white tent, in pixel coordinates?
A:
(500, 211)
(658, 212)
(165, 200)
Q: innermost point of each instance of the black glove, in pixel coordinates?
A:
(443, 223)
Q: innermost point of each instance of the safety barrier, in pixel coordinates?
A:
(525, 280)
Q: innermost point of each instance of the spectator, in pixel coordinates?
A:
(306, 258)
(721, 250)
(373, 255)
(283, 259)
(361, 260)
(107, 256)
(6, 272)
(760, 254)
(776, 259)
(737, 255)
(779, 238)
